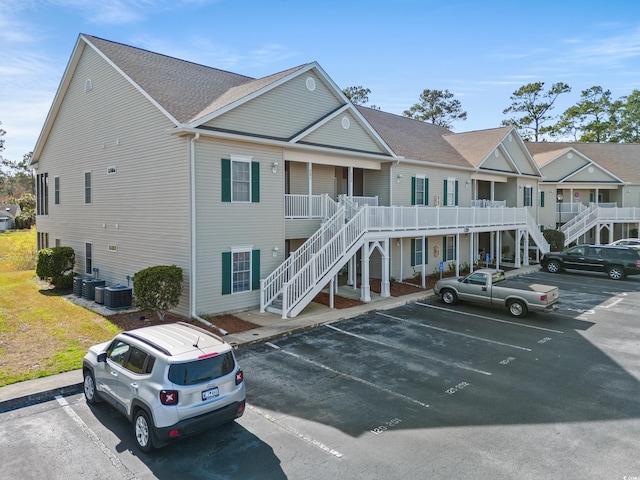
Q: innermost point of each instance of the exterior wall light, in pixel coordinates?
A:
(275, 251)
(399, 177)
(274, 167)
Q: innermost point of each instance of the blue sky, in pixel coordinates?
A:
(480, 51)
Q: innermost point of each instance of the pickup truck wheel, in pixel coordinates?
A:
(449, 297)
(517, 308)
(616, 272)
(553, 267)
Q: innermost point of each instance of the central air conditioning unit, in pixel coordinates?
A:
(99, 294)
(88, 287)
(77, 284)
(118, 296)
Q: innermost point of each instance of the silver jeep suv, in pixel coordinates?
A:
(169, 380)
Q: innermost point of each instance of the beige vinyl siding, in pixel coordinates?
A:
(298, 184)
(497, 161)
(596, 175)
(281, 112)
(436, 176)
(143, 208)
(299, 228)
(562, 166)
(222, 226)
(324, 178)
(333, 133)
(376, 183)
(520, 157)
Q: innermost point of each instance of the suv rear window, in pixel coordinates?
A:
(623, 255)
(200, 371)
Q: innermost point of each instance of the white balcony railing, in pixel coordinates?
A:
(309, 206)
(488, 203)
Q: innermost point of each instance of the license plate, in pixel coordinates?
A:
(209, 394)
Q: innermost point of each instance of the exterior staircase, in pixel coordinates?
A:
(597, 215)
(294, 284)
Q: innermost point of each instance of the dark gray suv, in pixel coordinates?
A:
(616, 262)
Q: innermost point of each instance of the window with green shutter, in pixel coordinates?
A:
(541, 198)
(450, 192)
(419, 190)
(416, 251)
(240, 180)
(240, 271)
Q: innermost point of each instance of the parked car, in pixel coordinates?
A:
(627, 242)
(169, 380)
(491, 287)
(613, 260)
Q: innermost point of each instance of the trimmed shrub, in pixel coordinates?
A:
(56, 263)
(158, 288)
(555, 239)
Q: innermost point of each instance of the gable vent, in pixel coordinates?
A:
(88, 85)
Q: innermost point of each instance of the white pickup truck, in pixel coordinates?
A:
(491, 287)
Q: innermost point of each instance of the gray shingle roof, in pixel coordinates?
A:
(621, 159)
(476, 146)
(414, 139)
(186, 90)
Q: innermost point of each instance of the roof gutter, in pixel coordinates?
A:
(192, 270)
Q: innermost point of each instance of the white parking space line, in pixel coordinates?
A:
(295, 432)
(488, 318)
(480, 339)
(124, 471)
(346, 375)
(404, 350)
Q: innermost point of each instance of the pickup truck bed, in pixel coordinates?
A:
(491, 287)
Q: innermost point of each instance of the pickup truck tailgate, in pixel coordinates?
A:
(551, 292)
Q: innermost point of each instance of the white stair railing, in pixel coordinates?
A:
(314, 264)
(596, 215)
(271, 286)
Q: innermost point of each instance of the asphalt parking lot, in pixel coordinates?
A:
(419, 391)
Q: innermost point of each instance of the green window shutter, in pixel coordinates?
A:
(413, 252)
(444, 249)
(255, 270)
(445, 192)
(524, 196)
(456, 194)
(541, 198)
(226, 273)
(255, 182)
(426, 191)
(226, 180)
(413, 190)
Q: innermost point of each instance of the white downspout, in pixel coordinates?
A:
(192, 276)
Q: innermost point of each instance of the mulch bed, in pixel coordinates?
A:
(131, 320)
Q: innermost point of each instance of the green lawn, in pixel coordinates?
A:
(41, 333)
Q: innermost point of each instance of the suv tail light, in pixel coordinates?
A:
(169, 397)
(637, 263)
(239, 377)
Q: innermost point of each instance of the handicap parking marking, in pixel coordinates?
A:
(484, 317)
(295, 432)
(346, 375)
(452, 332)
(404, 350)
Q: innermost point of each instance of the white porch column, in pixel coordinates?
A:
(310, 188)
(385, 289)
(350, 182)
(493, 191)
(516, 257)
(424, 266)
(365, 288)
(526, 248)
(498, 248)
(457, 254)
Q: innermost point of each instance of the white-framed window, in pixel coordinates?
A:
(418, 255)
(56, 190)
(240, 180)
(449, 248)
(87, 188)
(420, 194)
(527, 196)
(88, 264)
(241, 271)
(450, 192)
